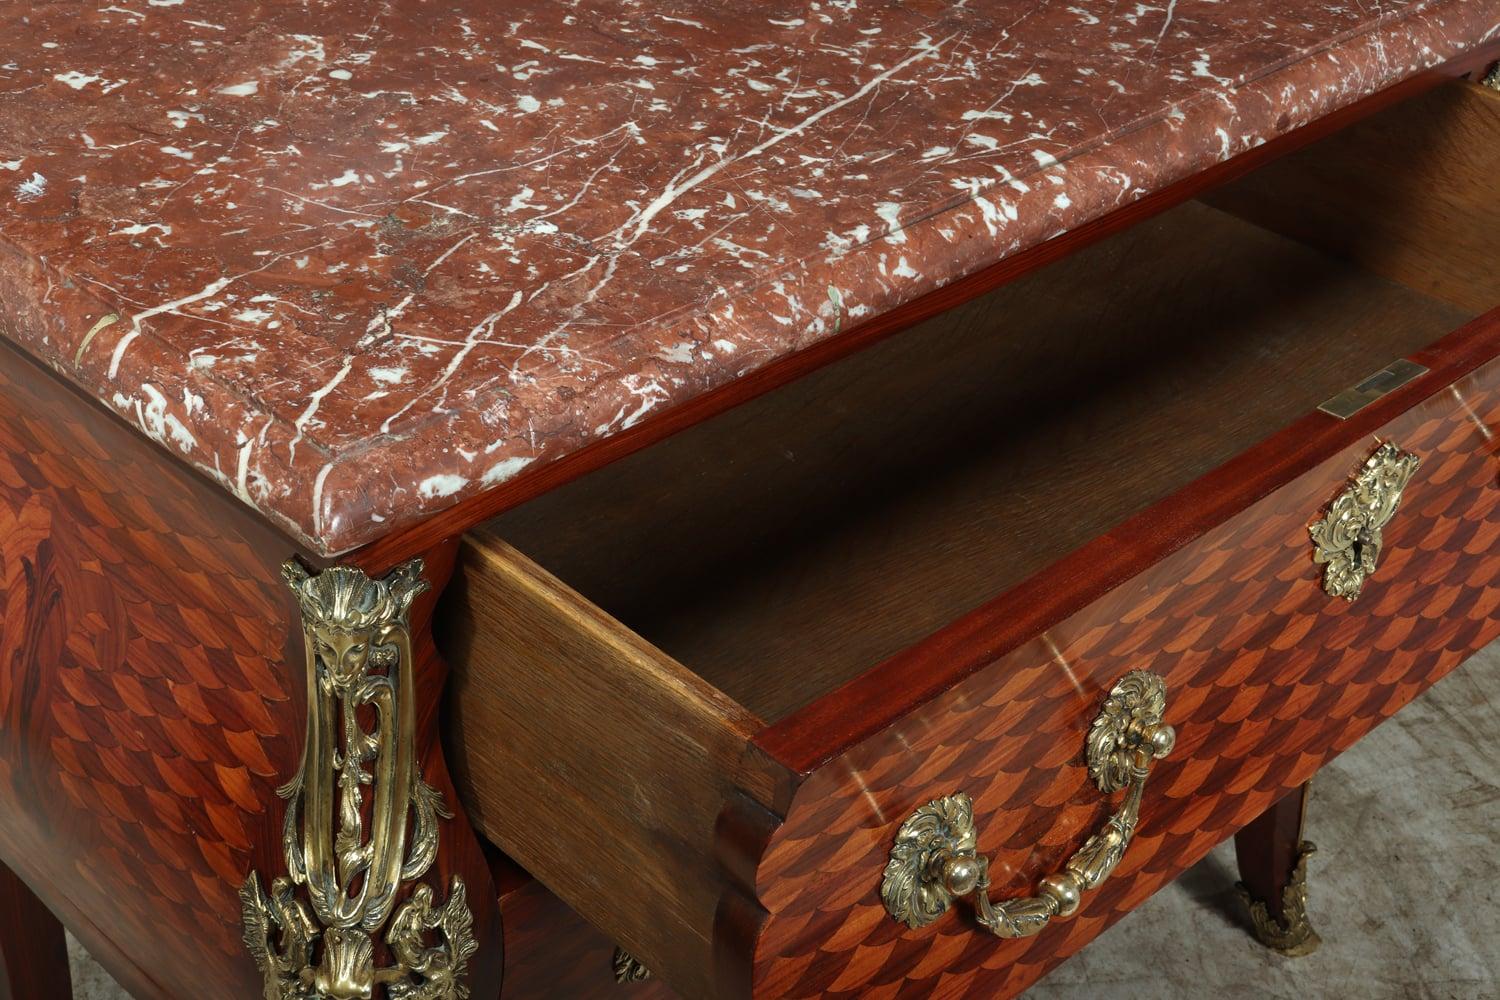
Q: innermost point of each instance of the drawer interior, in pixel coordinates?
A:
(784, 547)
(619, 642)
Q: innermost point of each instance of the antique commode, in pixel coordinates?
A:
(476, 521)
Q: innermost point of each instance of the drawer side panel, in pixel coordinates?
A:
(592, 759)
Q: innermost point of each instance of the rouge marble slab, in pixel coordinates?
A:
(361, 261)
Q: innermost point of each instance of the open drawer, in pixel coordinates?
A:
(726, 670)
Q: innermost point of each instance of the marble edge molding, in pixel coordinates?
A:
(335, 502)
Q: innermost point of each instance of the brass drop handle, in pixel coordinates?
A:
(935, 859)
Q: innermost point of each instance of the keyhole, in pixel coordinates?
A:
(1363, 549)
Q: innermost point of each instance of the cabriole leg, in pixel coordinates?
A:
(1272, 858)
(33, 951)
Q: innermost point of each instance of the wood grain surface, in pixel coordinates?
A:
(1267, 848)
(148, 715)
(594, 760)
(33, 948)
(1409, 194)
(551, 953)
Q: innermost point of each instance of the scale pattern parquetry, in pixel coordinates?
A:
(1269, 679)
(141, 739)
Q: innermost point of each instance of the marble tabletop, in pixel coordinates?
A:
(360, 261)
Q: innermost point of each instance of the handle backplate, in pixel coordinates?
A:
(935, 859)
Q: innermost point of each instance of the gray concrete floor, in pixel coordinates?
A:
(1403, 888)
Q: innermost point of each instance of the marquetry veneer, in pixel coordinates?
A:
(147, 717)
(698, 691)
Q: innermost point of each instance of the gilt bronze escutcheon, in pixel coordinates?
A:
(1349, 538)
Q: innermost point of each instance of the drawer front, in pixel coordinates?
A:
(1268, 677)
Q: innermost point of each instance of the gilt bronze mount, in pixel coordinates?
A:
(628, 968)
(1292, 934)
(935, 859)
(1347, 541)
(361, 738)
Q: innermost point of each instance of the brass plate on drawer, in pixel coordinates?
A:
(1393, 376)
